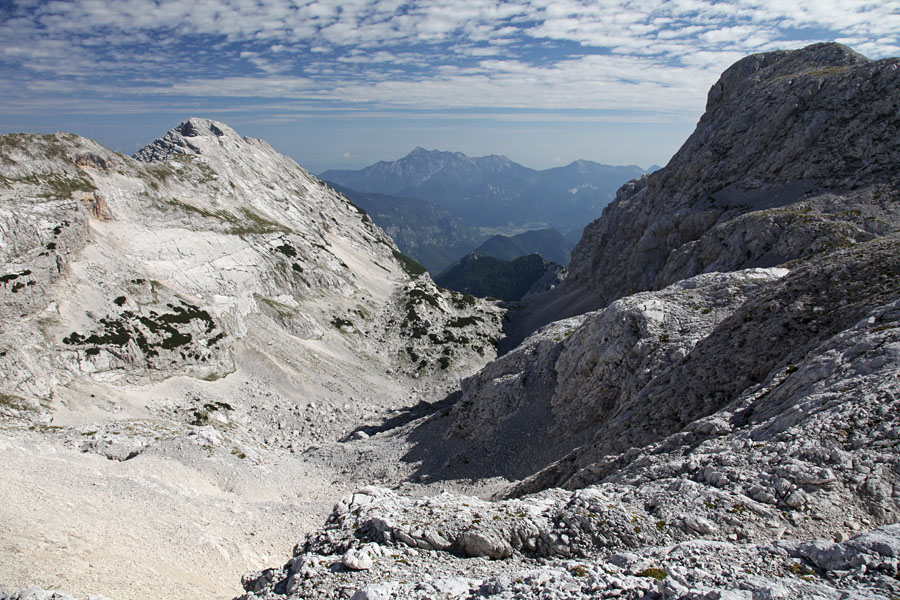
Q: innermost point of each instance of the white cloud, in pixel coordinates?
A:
(647, 55)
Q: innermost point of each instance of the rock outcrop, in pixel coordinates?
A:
(567, 381)
(726, 425)
(757, 358)
(795, 155)
(780, 423)
(119, 270)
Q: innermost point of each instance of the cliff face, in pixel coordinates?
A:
(795, 155)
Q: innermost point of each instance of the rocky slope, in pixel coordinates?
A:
(702, 479)
(561, 384)
(723, 426)
(421, 229)
(795, 155)
(122, 271)
(198, 313)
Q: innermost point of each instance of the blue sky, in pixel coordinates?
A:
(341, 84)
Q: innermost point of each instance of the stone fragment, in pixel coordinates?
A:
(375, 591)
(475, 543)
(357, 560)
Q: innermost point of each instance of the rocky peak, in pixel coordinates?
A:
(753, 69)
(794, 113)
(189, 137)
(796, 154)
(207, 240)
(194, 127)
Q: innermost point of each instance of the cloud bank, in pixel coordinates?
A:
(650, 60)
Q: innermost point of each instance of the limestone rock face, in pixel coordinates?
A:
(209, 248)
(563, 383)
(755, 358)
(730, 450)
(794, 156)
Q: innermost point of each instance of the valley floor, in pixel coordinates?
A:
(187, 515)
(149, 527)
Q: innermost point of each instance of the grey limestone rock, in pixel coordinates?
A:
(757, 358)
(554, 391)
(357, 560)
(122, 270)
(795, 155)
(731, 412)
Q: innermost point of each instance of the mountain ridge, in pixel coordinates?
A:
(724, 205)
(493, 190)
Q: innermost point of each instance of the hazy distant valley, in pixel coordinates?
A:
(223, 377)
(439, 206)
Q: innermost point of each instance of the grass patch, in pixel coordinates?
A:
(578, 571)
(412, 267)
(64, 187)
(283, 310)
(256, 223)
(654, 572)
(14, 402)
(246, 222)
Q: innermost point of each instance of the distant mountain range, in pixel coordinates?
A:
(493, 191)
(436, 239)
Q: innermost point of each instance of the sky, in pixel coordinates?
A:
(343, 84)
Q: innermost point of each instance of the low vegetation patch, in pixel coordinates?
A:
(150, 332)
(654, 572)
(412, 268)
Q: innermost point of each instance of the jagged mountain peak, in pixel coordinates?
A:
(195, 126)
(193, 136)
(821, 113)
